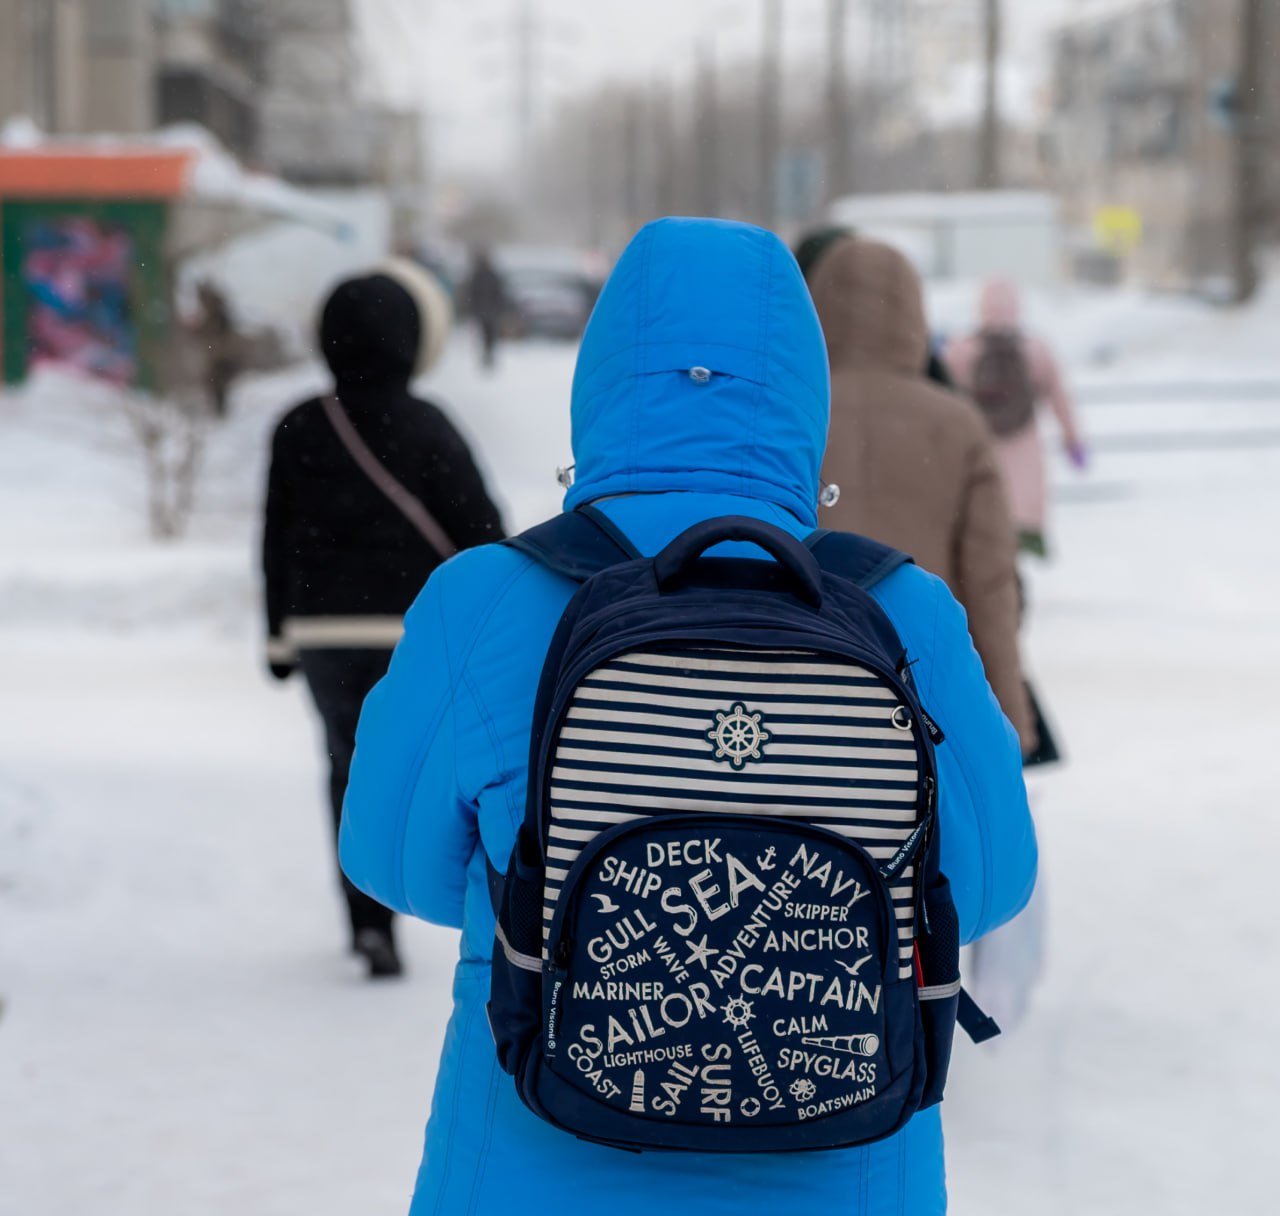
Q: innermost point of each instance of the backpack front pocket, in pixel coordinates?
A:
(725, 972)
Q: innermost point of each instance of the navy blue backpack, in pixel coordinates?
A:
(723, 927)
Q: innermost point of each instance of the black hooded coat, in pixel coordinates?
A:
(342, 564)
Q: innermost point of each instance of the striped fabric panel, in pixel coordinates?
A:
(634, 742)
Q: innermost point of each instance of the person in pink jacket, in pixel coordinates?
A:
(1012, 376)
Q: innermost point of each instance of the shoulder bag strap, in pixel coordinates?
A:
(407, 503)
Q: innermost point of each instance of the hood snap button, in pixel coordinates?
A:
(699, 375)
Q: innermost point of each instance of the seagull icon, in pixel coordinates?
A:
(853, 970)
(606, 904)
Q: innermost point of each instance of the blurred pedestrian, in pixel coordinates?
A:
(1011, 376)
(916, 466)
(486, 296)
(220, 345)
(809, 251)
(701, 392)
(370, 489)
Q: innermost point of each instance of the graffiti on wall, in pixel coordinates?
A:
(76, 270)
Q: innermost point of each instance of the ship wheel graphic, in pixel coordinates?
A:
(738, 736)
(738, 1012)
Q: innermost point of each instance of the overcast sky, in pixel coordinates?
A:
(455, 58)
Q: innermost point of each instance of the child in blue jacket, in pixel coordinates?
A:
(438, 782)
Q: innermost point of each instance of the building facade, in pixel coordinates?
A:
(278, 82)
(1144, 136)
(209, 64)
(73, 66)
(317, 126)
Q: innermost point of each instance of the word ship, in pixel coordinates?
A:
(632, 1037)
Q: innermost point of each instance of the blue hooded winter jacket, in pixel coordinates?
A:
(440, 765)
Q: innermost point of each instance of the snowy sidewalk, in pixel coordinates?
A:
(182, 1034)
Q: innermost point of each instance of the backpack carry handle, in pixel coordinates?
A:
(691, 544)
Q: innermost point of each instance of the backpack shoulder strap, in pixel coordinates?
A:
(576, 544)
(581, 543)
(859, 559)
(979, 1026)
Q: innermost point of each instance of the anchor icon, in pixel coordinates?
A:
(766, 862)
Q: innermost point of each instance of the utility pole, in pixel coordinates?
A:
(663, 137)
(1250, 150)
(526, 37)
(595, 186)
(631, 118)
(839, 128)
(770, 110)
(706, 128)
(989, 167)
(43, 25)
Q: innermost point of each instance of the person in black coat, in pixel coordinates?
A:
(342, 563)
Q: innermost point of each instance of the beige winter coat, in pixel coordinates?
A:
(916, 465)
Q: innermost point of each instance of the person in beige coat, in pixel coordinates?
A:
(916, 465)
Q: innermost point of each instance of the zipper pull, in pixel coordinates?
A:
(913, 843)
(904, 666)
(935, 731)
(930, 809)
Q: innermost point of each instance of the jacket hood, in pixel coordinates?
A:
(702, 369)
(435, 309)
(379, 330)
(1000, 305)
(872, 308)
(810, 247)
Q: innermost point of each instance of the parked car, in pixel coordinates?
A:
(551, 291)
(549, 304)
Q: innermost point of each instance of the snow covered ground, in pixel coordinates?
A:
(181, 1033)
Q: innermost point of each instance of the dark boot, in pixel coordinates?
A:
(378, 949)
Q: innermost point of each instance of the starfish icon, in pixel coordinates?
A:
(700, 952)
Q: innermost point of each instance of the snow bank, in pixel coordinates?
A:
(180, 1030)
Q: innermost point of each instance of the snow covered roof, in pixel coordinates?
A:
(923, 207)
(216, 178)
(1086, 12)
(183, 163)
(553, 259)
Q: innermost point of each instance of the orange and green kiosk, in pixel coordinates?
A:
(85, 278)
